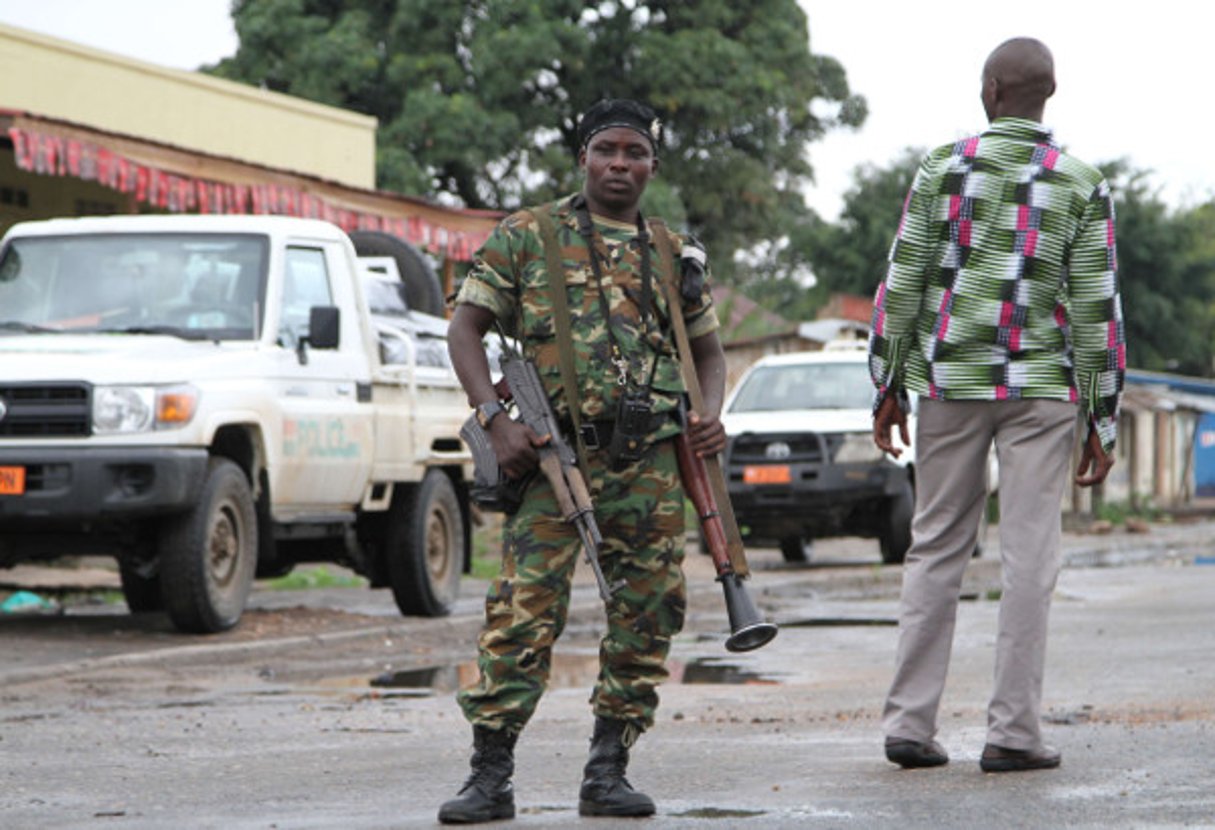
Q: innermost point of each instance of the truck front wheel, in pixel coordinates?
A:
(140, 585)
(425, 548)
(209, 553)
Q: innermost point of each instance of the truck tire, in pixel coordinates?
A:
(424, 547)
(140, 585)
(795, 550)
(209, 553)
(894, 534)
(423, 291)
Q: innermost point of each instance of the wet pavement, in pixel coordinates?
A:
(325, 709)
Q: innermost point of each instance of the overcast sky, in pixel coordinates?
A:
(1132, 75)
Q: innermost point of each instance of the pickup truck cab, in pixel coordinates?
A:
(203, 398)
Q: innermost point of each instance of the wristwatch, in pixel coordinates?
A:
(487, 411)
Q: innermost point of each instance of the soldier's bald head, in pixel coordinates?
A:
(1018, 77)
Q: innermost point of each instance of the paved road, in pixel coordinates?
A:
(325, 710)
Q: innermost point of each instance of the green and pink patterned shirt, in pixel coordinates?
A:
(1003, 280)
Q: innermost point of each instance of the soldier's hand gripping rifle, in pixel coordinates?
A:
(558, 461)
(748, 630)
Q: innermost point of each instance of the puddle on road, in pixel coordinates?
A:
(569, 671)
(438, 678)
(712, 670)
(834, 622)
(719, 812)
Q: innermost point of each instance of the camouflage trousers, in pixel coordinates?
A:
(640, 514)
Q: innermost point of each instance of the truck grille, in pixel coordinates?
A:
(802, 447)
(44, 410)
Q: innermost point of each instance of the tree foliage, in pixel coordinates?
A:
(849, 255)
(1166, 263)
(478, 99)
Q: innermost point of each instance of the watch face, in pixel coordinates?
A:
(486, 413)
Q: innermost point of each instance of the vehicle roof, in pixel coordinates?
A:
(178, 223)
(859, 354)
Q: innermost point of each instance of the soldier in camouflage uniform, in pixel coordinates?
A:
(639, 508)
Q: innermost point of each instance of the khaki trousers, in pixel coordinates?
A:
(1034, 440)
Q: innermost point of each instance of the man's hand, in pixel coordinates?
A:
(706, 434)
(888, 415)
(515, 445)
(1094, 464)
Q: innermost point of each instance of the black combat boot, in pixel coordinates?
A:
(487, 794)
(605, 790)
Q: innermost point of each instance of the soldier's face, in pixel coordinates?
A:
(619, 163)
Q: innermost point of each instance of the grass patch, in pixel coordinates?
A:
(1117, 512)
(487, 550)
(319, 577)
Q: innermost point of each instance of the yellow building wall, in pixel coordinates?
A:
(46, 76)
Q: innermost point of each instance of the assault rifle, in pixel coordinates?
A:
(558, 461)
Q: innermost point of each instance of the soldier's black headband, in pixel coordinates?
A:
(620, 112)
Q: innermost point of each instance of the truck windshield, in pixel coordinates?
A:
(805, 386)
(205, 286)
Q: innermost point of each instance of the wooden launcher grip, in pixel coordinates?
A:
(696, 485)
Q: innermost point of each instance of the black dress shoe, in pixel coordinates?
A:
(1002, 759)
(910, 754)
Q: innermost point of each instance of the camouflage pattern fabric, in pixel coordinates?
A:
(509, 278)
(640, 514)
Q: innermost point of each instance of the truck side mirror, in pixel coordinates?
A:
(324, 327)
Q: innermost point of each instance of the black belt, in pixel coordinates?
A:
(597, 435)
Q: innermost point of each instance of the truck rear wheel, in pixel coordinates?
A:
(894, 535)
(209, 553)
(795, 550)
(425, 548)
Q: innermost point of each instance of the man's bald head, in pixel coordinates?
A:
(1018, 77)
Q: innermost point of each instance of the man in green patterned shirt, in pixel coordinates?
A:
(619, 328)
(1001, 311)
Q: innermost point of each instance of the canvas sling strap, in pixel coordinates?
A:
(717, 479)
(561, 326)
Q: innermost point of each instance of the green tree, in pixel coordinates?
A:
(1166, 264)
(849, 255)
(478, 99)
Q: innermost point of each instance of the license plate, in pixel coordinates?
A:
(12, 481)
(767, 474)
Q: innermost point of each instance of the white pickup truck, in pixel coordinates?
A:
(205, 399)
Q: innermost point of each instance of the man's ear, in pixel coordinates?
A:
(582, 159)
(654, 166)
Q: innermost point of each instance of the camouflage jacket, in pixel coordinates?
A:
(510, 279)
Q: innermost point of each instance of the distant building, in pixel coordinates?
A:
(1165, 455)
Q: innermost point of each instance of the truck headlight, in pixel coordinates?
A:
(857, 446)
(133, 409)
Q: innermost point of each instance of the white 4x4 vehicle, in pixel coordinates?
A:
(207, 398)
(801, 463)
